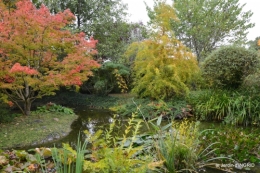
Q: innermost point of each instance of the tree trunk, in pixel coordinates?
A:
(78, 15)
(27, 100)
(27, 107)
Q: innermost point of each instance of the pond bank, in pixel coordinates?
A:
(238, 143)
(94, 120)
(35, 129)
(47, 128)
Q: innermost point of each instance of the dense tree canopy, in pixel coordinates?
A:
(87, 12)
(102, 19)
(37, 53)
(163, 66)
(204, 25)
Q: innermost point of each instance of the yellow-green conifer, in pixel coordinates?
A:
(163, 67)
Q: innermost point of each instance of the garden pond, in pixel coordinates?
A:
(95, 119)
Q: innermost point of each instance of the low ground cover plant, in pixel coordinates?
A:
(52, 107)
(238, 143)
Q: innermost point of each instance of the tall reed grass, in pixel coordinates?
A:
(236, 108)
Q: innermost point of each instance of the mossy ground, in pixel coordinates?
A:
(26, 130)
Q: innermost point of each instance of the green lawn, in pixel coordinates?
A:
(26, 130)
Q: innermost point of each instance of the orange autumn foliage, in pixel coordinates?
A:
(38, 54)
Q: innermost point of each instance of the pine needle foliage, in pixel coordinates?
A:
(163, 67)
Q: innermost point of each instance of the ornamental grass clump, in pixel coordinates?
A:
(177, 148)
(231, 107)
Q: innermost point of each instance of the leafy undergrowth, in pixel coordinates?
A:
(75, 99)
(148, 109)
(241, 144)
(122, 104)
(27, 130)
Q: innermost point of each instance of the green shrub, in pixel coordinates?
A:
(227, 67)
(52, 107)
(6, 116)
(252, 82)
(146, 108)
(109, 77)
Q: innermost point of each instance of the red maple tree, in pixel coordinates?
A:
(38, 54)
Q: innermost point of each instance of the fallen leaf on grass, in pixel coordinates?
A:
(3, 160)
(55, 119)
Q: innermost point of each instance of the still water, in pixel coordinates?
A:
(93, 120)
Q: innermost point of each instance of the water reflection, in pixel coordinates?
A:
(91, 120)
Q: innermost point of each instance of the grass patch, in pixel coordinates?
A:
(27, 130)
